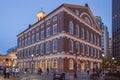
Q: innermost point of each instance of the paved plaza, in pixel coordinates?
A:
(69, 76)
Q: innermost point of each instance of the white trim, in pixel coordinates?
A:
(61, 35)
(84, 13)
(61, 55)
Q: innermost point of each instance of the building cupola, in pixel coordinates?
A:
(41, 14)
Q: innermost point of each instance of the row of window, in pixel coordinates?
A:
(84, 49)
(41, 64)
(37, 36)
(81, 33)
(39, 49)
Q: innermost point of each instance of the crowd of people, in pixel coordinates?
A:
(7, 72)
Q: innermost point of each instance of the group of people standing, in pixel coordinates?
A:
(11, 71)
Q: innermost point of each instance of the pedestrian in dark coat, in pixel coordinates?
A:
(47, 71)
(4, 72)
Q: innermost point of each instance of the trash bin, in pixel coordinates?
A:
(59, 76)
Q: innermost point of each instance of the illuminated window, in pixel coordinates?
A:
(71, 64)
(54, 63)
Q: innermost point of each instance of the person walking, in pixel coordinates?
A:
(88, 71)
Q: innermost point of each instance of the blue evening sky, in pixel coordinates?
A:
(16, 15)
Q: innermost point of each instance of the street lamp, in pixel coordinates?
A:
(32, 62)
(75, 65)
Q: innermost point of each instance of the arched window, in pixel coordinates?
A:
(42, 48)
(88, 50)
(54, 63)
(91, 51)
(37, 50)
(33, 38)
(91, 37)
(71, 27)
(87, 35)
(77, 31)
(48, 47)
(82, 49)
(82, 33)
(71, 64)
(87, 20)
(77, 47)
(54, 45)
(70, 45)
(95, 39)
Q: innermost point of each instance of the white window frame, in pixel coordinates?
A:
(54, 18)
(87, 35)
(78, 50)
(33, 38)
(42, 34)
(42, 48)
(54, 45)
(37, 36)
(71, 44)
(83, 33)
(48, 46)
(77, 30)
(54, 28)
(47, 32)
(71, 27)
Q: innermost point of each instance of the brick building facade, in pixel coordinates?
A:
(53, 41)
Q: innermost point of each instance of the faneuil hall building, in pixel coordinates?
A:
(67, 35)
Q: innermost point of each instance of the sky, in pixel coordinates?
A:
(16, 15)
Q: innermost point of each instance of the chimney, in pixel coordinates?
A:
(86, 5)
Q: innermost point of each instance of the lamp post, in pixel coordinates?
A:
(103, 65)
(32, 62)
(75, 65)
